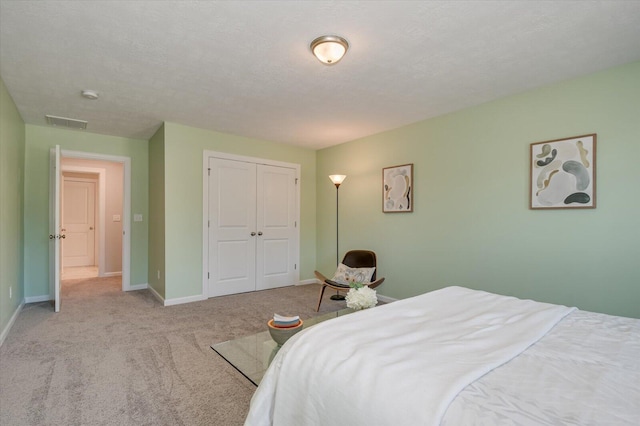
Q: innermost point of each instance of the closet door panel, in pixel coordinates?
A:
(232, 215)
(276, 224)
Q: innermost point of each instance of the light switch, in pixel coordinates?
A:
(116, 218)
(137, 217)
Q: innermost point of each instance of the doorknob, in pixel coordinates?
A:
(51, 237)
(253, 234)
(260, 233)
(90, 228)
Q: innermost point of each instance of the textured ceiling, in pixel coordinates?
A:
(244, 67)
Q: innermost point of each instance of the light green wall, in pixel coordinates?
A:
(39, 140)
(184, 147)
(156, 212)
(472, 225)
(11, 206)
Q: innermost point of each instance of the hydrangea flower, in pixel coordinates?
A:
(361, 298)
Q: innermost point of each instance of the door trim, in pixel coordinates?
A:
(205, 205)
(126, 207)
(102, 185)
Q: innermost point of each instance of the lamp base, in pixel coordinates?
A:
(337, 296)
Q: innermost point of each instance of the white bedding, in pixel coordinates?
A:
(586, 371)
(397, 364)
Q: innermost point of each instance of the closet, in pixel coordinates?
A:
(252, 221)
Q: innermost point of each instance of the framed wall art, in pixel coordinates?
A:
(397, 189)
(563, 173)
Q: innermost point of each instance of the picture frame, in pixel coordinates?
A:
(397, 189)
(563, 173)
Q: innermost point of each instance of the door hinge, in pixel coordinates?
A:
(208, 275)
(122, 232)
(295, 224)
(296, 181)
(208, 224)
(295, 266)
(209, 171)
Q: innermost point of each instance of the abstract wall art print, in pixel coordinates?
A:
(397, 189)
(563, 173)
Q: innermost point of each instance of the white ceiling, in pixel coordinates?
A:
(244, 67)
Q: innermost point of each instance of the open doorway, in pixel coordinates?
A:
(91, 204)
(99, 186)
(55, 236)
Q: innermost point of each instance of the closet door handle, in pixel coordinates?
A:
(259, 233)
(253, 234)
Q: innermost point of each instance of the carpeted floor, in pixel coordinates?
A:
(114, 358)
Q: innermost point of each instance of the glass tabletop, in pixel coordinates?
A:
(251, 355)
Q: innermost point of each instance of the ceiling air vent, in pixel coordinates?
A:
(66, 122)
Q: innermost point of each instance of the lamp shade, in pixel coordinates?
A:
(329, 49)
(337, 179)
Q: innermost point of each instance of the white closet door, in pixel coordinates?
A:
(276, 216)
(232, 207)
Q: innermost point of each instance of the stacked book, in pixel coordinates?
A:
(280, 321)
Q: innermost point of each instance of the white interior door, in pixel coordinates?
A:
(54, 225)
(276, 223)
(232, 226)
(78, 222)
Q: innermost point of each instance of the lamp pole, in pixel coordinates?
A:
(337, 180)
(337, 224)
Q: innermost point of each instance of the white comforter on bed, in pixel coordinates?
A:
(586, 371)
(397, 364)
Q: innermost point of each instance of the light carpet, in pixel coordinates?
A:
(115, 358)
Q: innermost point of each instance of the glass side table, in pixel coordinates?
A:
(251, 355)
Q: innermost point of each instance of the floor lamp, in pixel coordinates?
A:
(337, 180)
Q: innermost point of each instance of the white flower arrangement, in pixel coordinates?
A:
(361, 297)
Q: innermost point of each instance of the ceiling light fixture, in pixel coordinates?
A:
(329, 49)
(90, 94)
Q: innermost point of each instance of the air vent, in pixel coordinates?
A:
(66, 122)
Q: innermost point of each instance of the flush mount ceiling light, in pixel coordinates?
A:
(90, 94)
(329, 49)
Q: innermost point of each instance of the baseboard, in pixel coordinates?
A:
(112, 274)
(156, 295)
(136, 287)
(38, 299)
(309, 281)
(177, 300)
(386, 299)
(181, 300)
(5, 331)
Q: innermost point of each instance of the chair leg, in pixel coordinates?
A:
(320, 298)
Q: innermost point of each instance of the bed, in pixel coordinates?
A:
(456, 356)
